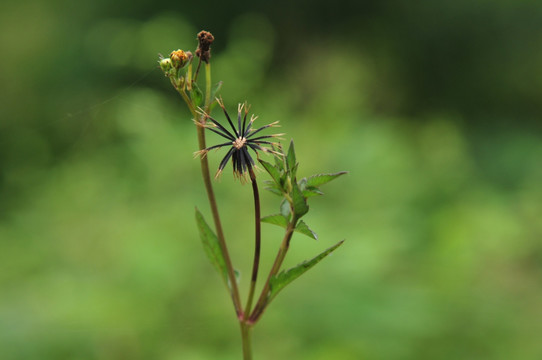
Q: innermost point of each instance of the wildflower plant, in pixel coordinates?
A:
(243, 140)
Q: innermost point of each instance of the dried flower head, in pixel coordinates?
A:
(240, 139)
(203, 51)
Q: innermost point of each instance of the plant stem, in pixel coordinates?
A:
(210, 194)
(234, 290)
(284, 246)
(246, 340)
(218, 224)
(207, 87)
(257, 244)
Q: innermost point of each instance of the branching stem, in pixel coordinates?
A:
(257, 241)
(234, 290)
(284, 246)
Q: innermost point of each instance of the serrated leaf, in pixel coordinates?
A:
(274, 191)
(291, 160)
(212, 246)
(275, 174)
(279, 281)
(321, 179)
(196, 95)
(299, 202)
(302, 228)
(277, 219)
(312, 192)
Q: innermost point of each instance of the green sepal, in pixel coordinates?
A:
(212, 247)
(279, 281)
(302, 228)
(277, 219)
(196, 95)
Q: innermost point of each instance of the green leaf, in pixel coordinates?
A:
(321, 179)
(279, 161)
(212, 246)
(311, 192)
(299, 202)
(279, 281)
(275, 174)
(302, 228)
(277, 219)
(196, 95)
(291, 160)
(274, 190)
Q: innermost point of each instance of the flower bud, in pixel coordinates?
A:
(178, 59)
(165, 64)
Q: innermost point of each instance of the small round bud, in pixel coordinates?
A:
(165, 64)
(178, 58)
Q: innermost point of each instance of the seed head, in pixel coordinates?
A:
(240, 139)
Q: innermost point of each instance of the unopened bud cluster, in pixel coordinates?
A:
(178, 66)
(173, 65)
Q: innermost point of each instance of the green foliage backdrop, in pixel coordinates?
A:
(432, 107)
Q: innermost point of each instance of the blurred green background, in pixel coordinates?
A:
(432, 106)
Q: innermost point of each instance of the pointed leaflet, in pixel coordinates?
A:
(321, 179)
(299, 202)
(279, 281)
(277, 219)
(212, 246)
(275, 174)
(280, 220)
(308, 192)
(291, 161)
(274, 189)
(312, 192)
(302, 228)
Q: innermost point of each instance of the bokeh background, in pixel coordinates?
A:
(434, 108)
